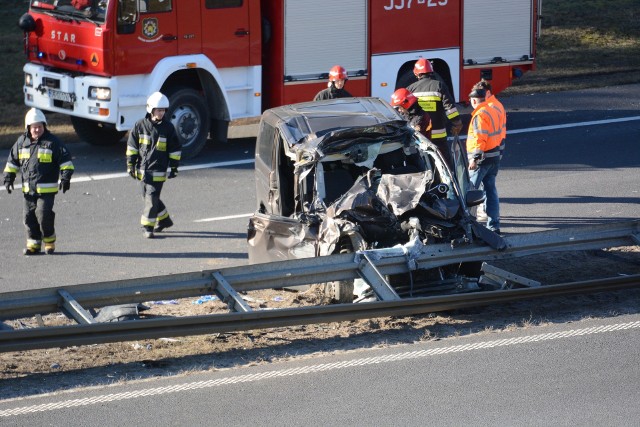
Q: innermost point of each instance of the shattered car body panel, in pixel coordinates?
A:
(348, 175)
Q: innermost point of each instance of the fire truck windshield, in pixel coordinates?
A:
(87, 10)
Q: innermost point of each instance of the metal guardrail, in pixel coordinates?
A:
(99, 333)
(228, 283)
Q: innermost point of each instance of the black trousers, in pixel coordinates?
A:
(39, 217)
(154, 210)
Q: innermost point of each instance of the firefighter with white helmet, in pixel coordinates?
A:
(335, 88)
(152, 147)
(41, 159)
(157, 100)
(434, 98)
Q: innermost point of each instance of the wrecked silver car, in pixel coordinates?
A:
(349, 175)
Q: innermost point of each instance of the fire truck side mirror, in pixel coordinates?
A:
(128, 15)
(27, 23)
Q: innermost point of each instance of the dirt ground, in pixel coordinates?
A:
(54, 370)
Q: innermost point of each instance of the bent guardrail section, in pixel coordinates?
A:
(229, 282)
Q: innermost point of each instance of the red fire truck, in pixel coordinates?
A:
(220, 60)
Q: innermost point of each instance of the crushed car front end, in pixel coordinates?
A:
(363, 188)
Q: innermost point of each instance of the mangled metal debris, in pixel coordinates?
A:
(344, 176)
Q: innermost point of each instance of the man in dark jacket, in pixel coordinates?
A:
(337, 80)
(41, 158)
(152, 147)
(435, 99)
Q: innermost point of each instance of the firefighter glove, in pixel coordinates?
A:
(64, 185)
(456, 127)
(8, 184)
(131, 171)
(173, 173)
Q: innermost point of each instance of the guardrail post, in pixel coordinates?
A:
(502, 277)
(373, 277)
(73, 309)
(228, 295)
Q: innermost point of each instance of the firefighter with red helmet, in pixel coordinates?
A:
(152, 147)
(434, 98)
(335, 89)
(41, 158)
(407, 105)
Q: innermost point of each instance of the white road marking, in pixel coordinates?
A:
(324, 367)
(222, 218)
(574, 125)
(568, 125)
(88, 178)
(182, 168)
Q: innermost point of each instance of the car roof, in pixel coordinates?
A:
(299, 121)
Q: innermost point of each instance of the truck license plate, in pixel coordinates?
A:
(61, 96)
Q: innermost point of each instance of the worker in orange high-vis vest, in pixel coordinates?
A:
(497, 105)
(481, 212)
(483, 151)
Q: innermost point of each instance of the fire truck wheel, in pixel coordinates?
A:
(96, 133)
(189, 115)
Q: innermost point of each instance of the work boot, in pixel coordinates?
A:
(31, 251)
(49, 248)
(148, 232)
(162, 224)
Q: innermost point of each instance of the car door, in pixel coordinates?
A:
(265, 165)
(278, 238)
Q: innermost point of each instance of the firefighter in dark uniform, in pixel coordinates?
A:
(152, 147)
(435, 99)
(41, 158)
(407, 105)
(335, 89)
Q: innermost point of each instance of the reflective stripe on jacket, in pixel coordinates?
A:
(494, 103)
(497, 105)
(152, 148)
(434, 98)
(485, 132)
(40, 162)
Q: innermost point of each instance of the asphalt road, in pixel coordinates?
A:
(553, 175)
(584, 374)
